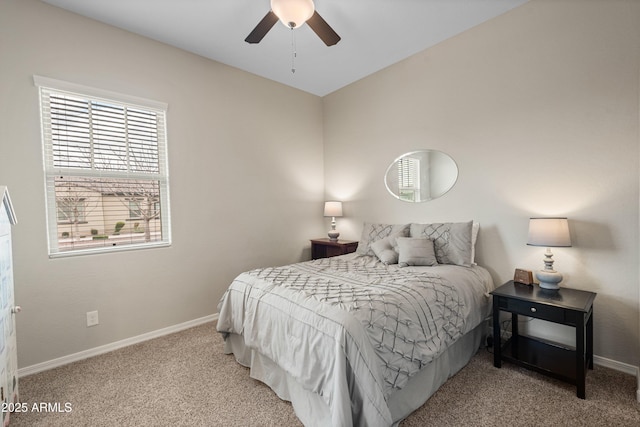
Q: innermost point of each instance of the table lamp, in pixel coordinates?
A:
(333, 209)
(552, 233)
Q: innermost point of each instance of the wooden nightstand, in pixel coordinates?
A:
(325, 248)
(566, 306)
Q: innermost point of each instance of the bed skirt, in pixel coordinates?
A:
(312, 410)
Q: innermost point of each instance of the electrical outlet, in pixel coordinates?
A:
(92, 318)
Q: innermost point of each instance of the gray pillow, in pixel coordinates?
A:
(372, 232)
(452, 241)
(415, 251)
(385, 250)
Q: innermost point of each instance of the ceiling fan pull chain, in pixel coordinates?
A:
(293, 51)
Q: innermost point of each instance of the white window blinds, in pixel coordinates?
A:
(106, 169)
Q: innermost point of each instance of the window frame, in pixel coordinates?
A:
(47, 85)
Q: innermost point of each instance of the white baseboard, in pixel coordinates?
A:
(615, 365)
(39, 367)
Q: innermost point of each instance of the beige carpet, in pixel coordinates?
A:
(184, 379)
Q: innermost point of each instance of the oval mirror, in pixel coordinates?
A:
(421, 175)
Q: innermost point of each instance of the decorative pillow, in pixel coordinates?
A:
(385, 251)
(474, 238)
(372, 232)
(415, 251)
(451, 241)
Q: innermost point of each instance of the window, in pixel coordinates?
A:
(70, 209)
(106, 174)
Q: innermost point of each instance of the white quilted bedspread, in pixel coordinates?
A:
(353, 328)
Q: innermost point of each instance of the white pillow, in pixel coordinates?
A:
(415, 251)
(385, 251)
(474, 238)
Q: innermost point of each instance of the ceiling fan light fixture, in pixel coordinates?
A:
(293, 13)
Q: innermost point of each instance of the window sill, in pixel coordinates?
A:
(109, 249)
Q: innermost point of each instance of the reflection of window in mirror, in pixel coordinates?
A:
(409, 179)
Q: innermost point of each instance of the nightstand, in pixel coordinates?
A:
(325, 248)
(565, 306)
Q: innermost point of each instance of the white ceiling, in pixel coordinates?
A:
(375, 33)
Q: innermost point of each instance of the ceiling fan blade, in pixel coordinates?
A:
(323, 30)
(262, 28)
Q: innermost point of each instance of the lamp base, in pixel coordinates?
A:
(333, 235)
(549, 279)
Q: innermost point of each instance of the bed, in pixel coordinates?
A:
(362, 339)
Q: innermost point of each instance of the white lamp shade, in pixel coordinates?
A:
(293, 13)
(332, 208)
(549, 232)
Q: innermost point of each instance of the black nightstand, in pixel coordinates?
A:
(567, 307)
(325, 248)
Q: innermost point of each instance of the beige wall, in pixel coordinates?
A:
(245, 164)
(539, 108)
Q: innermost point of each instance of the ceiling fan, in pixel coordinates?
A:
(293, 14)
